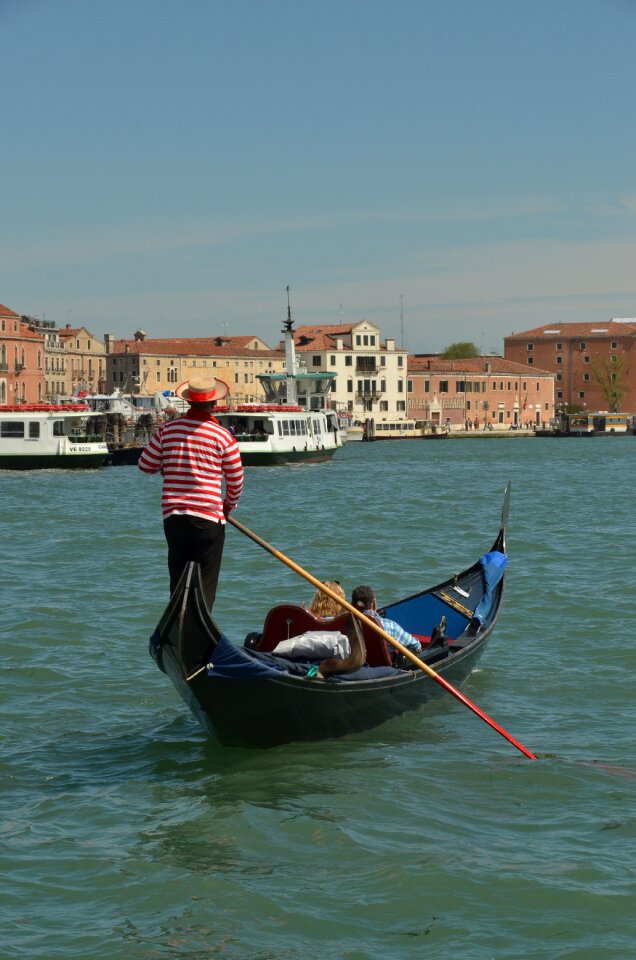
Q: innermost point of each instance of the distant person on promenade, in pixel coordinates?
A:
(195, 454)
(323, 606)
(363, 598)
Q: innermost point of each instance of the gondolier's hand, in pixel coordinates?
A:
(227, 509)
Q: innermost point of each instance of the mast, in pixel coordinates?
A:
(290, 354)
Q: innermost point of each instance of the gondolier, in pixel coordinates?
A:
(196, 455)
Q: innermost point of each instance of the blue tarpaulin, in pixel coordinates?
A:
(231, 661)
(493, 565)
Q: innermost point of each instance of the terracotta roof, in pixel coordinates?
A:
(193, 347)
(331, 329)
(498, 366)
(578, 331)
(5, 312)
(319, 341)
(69, 331)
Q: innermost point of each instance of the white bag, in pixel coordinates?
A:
(314, 645)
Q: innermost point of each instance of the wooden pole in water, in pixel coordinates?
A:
(378, 629)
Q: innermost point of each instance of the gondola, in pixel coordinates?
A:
(248, 696)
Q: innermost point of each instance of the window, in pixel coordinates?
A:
(559, 359)
(358, 340)
(349, 386)
(427, 386)
(409, 386)
(582, 345)
(34, 430)
(559, 346)
(586, 358)
(11, 428)
(494, 384)
(400, 386)
(509, 385)
(586, 376)
(384, 406)
(559, 395)
(372, 340)
(613, 358)
(559, 376)
(332, 360)
(382, 386)
(383, 361)
(443, 386)
(581, 394)
(77, 344)
(58, 428)
(459, 386)
(530, 361)
(400, 405)
(88, 344)
(501, 385)
(315, 361)
(400, 361)
(348, 360)
(365, 340)
(530, 347)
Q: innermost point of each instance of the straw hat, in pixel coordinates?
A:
(202, 389)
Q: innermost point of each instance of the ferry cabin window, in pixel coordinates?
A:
(285, 428)
(11, 428)
(34, 430)
(58, 428)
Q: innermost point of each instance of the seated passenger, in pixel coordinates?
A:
(363, 598)
(324, 607)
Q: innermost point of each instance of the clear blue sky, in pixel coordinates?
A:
(174, 164)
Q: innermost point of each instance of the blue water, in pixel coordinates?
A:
(128, 834)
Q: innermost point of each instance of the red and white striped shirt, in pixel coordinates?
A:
(195, 453)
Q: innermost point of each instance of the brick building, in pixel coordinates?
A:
(594, 363)
(487, 391)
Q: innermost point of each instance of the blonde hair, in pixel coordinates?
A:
(324, 606)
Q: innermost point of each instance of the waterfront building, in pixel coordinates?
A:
(370, 375)
(85, 356)
(590, 361)
(148, 365)
(486, 391)
(21, 360)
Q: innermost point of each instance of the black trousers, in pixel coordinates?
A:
(193, 538)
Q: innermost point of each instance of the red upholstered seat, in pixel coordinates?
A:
(288, 620)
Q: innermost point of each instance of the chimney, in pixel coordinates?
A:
(390, 343)
(108, 342)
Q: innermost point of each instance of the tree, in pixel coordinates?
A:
(462, 350)
(608, 374)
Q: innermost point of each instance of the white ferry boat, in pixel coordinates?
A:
(294, 425)
(35, 436)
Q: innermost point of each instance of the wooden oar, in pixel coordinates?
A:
(378, 629)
